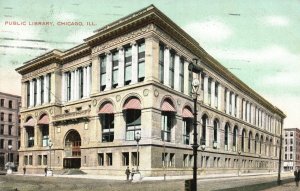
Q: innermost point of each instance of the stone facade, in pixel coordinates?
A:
(134, 77)
(9, 128)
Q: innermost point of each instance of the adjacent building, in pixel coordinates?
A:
(291, 149)
(134, 76)
(9, 128)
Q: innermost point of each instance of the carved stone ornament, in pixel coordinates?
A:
(156, 93)
(36, 114)
(146, 92)
(51, 111)
(38, 72)
(118, 98)
(178, 102)
(94, 102)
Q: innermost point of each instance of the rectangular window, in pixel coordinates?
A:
(225, 100)
(115, 68)
(1, 129)
(10, 129)
(9, 117)
(80, 72)
(103, 61)
(107, 123)
(164, 158)
(34, 92)
(109, 159)
(166, 126)
(291, 156)
(25, 160)
(1, 143)
(161, 63)
(2, 116)
(125, 159)
(42, 89)
(185, 160)
(202, 81)
(172, 160)
(28, 94)
(134, 159)
(133, 123)
(235, 105)
(39, 160)
(100, 159)
(45, 159)
(128, 63)
(209, 91)
(181, 75)
(10, 104)
(216, 94)
(49, 88)
(141, 61)
(69, 84)
(291, 141)
(30, 160)
(291, 148)
(2, 102)
(171, 69)
(187, 126)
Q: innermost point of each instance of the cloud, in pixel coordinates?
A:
(65, 17)
(213, 30)
(286, 79)
(276, 20)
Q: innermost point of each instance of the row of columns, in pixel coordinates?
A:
(36, 85)
(73, 78)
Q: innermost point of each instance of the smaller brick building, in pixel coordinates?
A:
(291, 149)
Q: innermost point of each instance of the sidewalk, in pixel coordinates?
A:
(200, 177)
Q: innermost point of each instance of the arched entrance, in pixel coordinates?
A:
(72, 150)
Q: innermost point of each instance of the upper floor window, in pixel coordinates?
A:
(209, 90)
(49, 88)
(28, 94)
(10, 104)
(291, 134)
(141, 61)
(2, 103)
(115, 68)
(171, 69)
(216, 93)
(106, 114)
(2, 116)
(181, 75)
(9, 117)
(128, 64)
(1, 129)
(80, 72)
(132, 110)
(161, 63)
(42, 89)
(34, 91)
(69, 83)
(103, 60)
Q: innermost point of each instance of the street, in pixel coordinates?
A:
(41, 183)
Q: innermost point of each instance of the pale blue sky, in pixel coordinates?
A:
(258, 41)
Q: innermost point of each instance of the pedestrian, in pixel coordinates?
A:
(45, 171)
(297, 176)
(24, 170)
(127, 172)
(132, 173)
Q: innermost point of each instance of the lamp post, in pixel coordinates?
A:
(195, 85)
(9, 171)
(137, 138)
(280, 150)
(50, 144)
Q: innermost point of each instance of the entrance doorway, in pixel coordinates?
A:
(72, 150)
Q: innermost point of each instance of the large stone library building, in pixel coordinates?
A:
(133, 77)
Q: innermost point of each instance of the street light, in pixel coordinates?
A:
(50, 144)
(137, 138)
(279, 165)
(9, 171)
(195, 85)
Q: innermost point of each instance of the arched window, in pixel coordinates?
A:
(187, 117)
(235, 138)
(167, 120)
(106, 116)
(267, 147)
(43, 126)
(260, 146)
(132, 111)
(249, 141)
(256, 141)
(243, 140)
(29, 136)
(216, 127)
(203, 133)
(226, 134)
(271, 147)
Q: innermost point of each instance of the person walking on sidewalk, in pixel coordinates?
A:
(297, 176)
(127, 172)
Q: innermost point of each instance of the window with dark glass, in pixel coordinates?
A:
(133, 123)
(161, 63)
(10, 104)
(10, 129)
(225, 99)
(42, 89)
(115, 68)
(187, 126)
(30, 136)
(125, 158)
(2, 116)
(80, 72)
(69, 83)
(109, 159)
(49, 88)
(107, 123)
(181, 75)
(226, 136)
(216, 94)
(230, 102)
(128, 64)
(103, 60)
(2, 102)
(1, 129)
(216, 126)
(1, 143)
(167, 124)
(141, 61)
(203, 133)
(209, 91)
(28, 94)
(100, 159)
(34, 92)
(9, 117)
(171, 69)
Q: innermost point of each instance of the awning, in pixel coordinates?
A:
(44, 120)
(166, 106)
(106, 109)
(133, 103)
(186, 113)
(29, 123)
